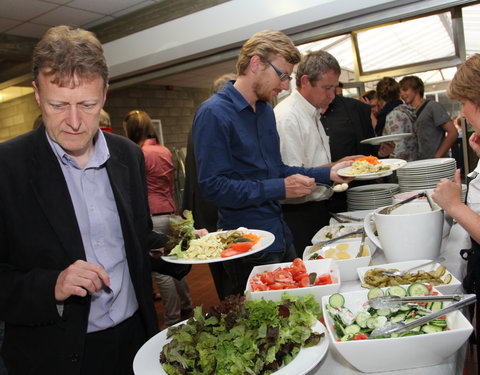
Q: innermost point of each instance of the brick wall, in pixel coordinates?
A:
(17, 116)
(174, 107)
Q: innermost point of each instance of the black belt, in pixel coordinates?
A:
(165, 213)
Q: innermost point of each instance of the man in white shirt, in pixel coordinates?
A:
(304, 143)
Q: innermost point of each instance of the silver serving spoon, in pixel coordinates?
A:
(388, 209)
(403, 273)
(388, 329)
(319, 245)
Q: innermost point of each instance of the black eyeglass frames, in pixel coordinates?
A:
(283, 76)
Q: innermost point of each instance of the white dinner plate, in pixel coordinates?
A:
(266, 239)
(147, 362)
(393, 163)
(385, 138)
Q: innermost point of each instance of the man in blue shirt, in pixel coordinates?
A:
(237, 150)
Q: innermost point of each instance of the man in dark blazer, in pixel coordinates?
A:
(75, 228)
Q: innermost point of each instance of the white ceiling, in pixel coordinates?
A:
(31, 18)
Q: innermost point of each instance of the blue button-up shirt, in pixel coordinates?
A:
(239, 164)
(99, 223)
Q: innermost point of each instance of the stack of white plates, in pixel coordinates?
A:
(425, 174)
(370, 197)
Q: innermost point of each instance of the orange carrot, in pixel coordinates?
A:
(371, 159)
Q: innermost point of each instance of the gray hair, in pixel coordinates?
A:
(314, 65)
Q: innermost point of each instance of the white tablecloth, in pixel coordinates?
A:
(455, 239)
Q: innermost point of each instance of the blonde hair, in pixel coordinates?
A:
(465, 85)
(267, 44)
(105, 119)
(138, 127)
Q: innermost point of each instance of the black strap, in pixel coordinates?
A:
(421, 108)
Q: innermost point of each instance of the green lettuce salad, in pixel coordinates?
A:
(242, 337)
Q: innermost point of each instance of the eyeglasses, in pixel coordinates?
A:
(283, 76)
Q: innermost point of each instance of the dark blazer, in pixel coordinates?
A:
(40, 237)
(347, 121)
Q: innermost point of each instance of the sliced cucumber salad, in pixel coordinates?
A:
(350, 327)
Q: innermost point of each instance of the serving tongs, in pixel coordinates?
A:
(400, 327)
(342, 218)
(390, 302)
(388, 209)
(319, 245)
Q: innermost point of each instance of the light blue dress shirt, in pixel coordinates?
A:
(99, 223)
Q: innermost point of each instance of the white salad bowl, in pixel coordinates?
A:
(318, 266)
(390, 354)
(347, 267)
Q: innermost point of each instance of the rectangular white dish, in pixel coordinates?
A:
(453, 287)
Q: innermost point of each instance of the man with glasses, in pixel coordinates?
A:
(238, 153)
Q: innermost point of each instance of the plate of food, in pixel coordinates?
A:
(221, 246)
(329, 232)
(147, 361)
(385, 138)
(370, 167)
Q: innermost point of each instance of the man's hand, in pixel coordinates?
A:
(79, 279)
(298, 185)
(334, 175)
(447, 193)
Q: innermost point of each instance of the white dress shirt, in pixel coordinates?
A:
(303, 141)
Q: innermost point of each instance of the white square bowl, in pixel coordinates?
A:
(453, 287)
(397, 353)
(334, 230)
(347, 267)
(318, 266)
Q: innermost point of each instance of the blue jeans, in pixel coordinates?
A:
(3, 370)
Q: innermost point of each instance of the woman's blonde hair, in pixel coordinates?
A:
(138, 127)
(267, 44)
(465, 85)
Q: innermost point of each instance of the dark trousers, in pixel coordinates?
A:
(304, 220)
(111, 351)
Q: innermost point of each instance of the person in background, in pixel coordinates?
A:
(370, 98)
(339, 89)
(304, 143)
(238, 157)
(435, 129)
(396, 118)
(139, 128)
(465, 87)
(75, 228)
(204, 213)
(105, 123)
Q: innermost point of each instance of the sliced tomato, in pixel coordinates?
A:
(275, 286)
(229, 252)
(297, 262)
(258, 287)
(299, 277)
(360, 336)
(282, 276)
(323, 279)
(304, 281)
(242, 246)
(267, 278)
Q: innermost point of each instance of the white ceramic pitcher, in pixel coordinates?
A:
(409, 232)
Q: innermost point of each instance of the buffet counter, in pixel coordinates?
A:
(455, 239)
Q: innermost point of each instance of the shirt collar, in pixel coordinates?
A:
(100, 156)
(239, 102)
(307, 106)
